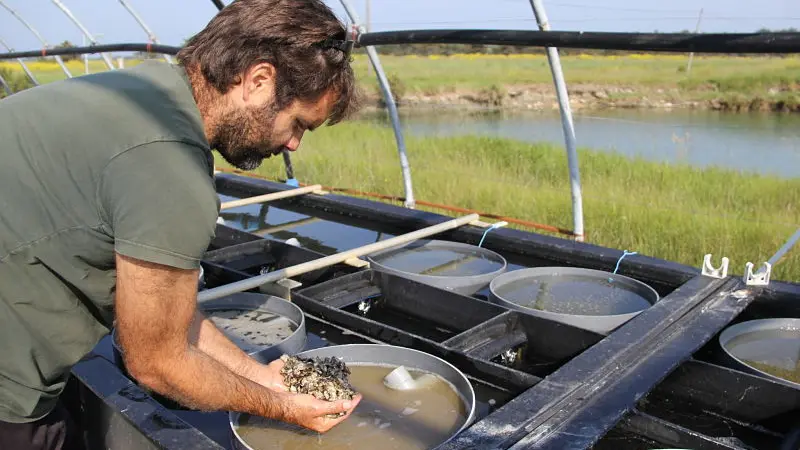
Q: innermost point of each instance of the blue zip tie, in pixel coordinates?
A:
(292, 182)
(491, 227)
(624, 254)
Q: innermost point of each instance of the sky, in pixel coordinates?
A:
(175, 20)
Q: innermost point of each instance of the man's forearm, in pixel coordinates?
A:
(206, 337)
(188, 379)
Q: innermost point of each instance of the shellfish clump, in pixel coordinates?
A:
(324, 378)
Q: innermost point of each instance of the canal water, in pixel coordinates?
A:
(764, 143)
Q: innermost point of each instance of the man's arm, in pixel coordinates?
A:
(155, 307)
(206, 337)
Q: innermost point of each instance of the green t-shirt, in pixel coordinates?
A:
(112, 162)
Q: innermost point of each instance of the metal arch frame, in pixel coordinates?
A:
(41, 39)
(5, 86)
(86, 32)
(386, 91)
(21, 63)
(566, 122)
(150, 34)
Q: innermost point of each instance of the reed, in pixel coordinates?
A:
(674, 212)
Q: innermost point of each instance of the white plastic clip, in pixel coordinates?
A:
(760, 278)
(713, 272)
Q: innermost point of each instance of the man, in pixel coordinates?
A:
(108, 204)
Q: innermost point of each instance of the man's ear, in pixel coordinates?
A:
(258, 83)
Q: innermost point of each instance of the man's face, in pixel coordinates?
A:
(250, 127)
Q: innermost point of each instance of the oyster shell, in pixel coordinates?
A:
(324, 378)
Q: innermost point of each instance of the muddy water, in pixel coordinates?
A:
(438, 262)
(384, 420)
(776, 352)
(574, 295)
(251, 330)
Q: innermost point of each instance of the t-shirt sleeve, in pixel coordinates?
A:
(159, 199)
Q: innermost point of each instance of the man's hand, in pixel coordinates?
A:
(309, 412)
(269, 376)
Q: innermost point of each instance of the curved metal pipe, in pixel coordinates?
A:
(83, 29)
(150, 34)
(566, 123)
(38, 36)
(388, 98)
(5, 85)
(21, 63)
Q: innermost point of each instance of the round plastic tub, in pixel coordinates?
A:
(590, 299)
(271, 309)
(455, 266)
(379, 354)
(764, 342)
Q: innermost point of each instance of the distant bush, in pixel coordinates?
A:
(68, 44)
(494, 95)
(398, 88)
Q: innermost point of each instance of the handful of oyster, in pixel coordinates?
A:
(324, 378)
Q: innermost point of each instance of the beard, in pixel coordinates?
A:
(243, 136)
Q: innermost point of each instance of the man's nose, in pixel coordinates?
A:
(293, 143)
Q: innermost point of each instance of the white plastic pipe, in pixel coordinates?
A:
(150, 34)
(38, 36)
(86, 33)
(786, 247)
(5, 85)
(293, 271)
(388, 98)
(21, 63)
(270, 197)
(286, 226)
(566, 121)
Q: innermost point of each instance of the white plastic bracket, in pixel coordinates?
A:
(358, 263)
(760, 278)
(481, 224)
(715, 272)
(281, 288)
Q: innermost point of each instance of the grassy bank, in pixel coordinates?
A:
(672, 212)
(634, 80)
(524, 81)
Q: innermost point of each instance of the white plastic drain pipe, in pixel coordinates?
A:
(293, 271)
(566, 121)
(271, 197)
(38, 36)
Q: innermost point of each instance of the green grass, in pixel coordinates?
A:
(715, 73)
(711, 76)
(673, 212)
(48, 71)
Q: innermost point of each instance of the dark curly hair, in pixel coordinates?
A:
(285, 33)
